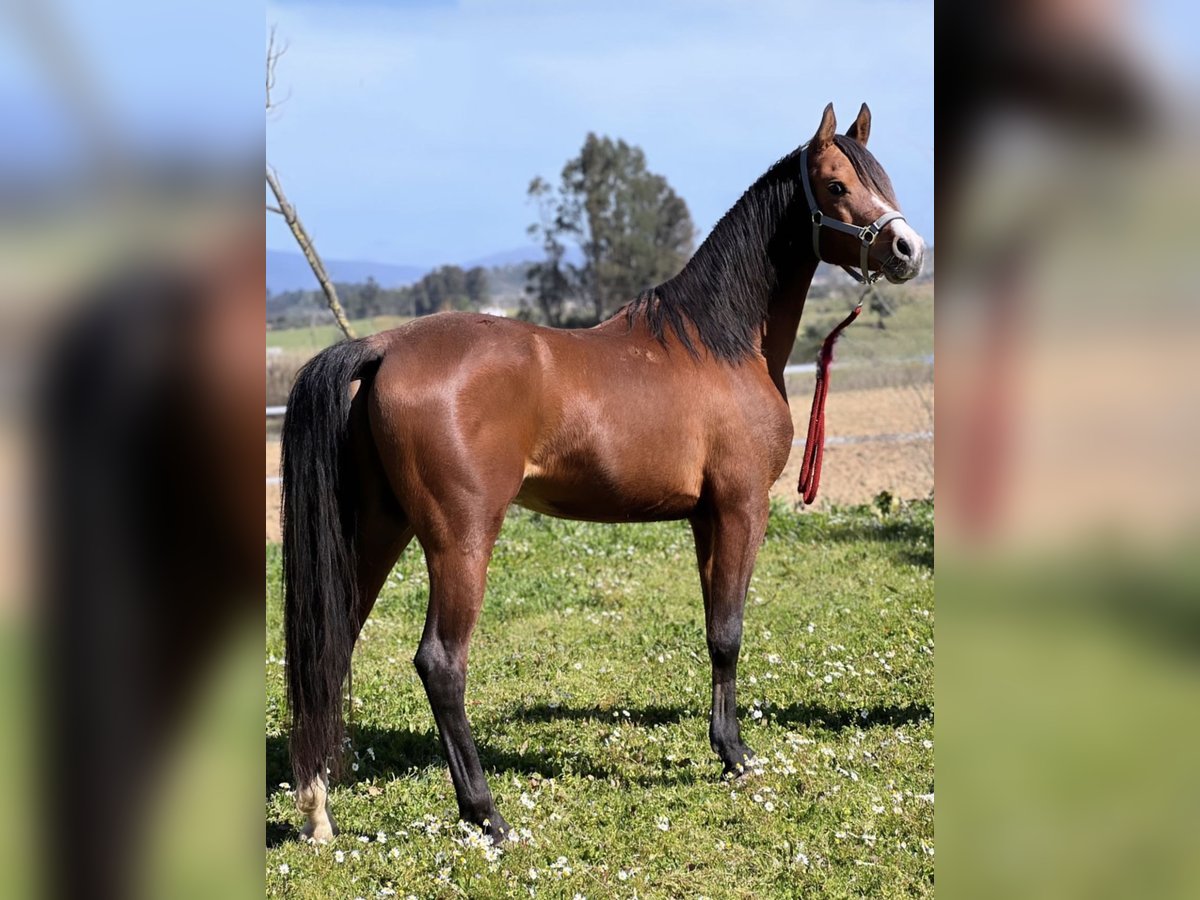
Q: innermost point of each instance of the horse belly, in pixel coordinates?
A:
(635, 493)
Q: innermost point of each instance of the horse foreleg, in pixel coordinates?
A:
(727, 542)
(456, 586)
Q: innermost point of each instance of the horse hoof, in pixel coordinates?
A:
(498, 830)
(319, 832)
(745, 767)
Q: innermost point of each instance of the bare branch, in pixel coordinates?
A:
(274, 52)
(310, 253)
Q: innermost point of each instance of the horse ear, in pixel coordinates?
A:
(860, 128)
(827, 128)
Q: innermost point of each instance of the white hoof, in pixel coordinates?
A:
(319, 832)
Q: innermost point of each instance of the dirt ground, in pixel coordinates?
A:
(852, 472)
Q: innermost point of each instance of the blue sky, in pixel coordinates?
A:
(165, 76)
(411, 129)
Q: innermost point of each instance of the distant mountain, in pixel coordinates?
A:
(287, 271)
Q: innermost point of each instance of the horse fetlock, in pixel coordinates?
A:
(312, 796)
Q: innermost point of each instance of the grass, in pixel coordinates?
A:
(318, 337)
(905, 334)
(588, 694)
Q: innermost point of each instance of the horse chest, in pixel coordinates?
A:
(757, 431)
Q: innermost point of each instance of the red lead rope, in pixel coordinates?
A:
(814, 446)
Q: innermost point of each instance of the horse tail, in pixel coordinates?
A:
(319, 571)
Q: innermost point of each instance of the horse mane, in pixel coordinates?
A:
(726, 287)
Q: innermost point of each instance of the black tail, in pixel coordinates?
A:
(320, 584)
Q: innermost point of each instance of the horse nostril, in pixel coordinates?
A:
(903, 248)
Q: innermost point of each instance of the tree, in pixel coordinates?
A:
(551, 283)
(631, 227)
(369, 296)
(477, 286)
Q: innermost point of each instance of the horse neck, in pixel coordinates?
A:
(783, 321)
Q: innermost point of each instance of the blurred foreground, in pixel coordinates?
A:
(131, 297)
(1068, 500)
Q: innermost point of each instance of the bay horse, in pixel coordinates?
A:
(674, 408)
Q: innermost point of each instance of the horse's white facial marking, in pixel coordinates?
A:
(902, 231)
(882, 205)
(906, 246)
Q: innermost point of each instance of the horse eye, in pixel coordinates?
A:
(837, 188)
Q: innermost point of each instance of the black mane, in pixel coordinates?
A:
(725, 288)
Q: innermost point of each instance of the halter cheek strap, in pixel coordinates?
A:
(865, 234)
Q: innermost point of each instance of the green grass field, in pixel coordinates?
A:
(588, 694)
(318, 337)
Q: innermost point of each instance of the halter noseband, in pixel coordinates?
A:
(865, 234)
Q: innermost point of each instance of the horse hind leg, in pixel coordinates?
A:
(457, 579)
(381, 542)
(382, 534)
